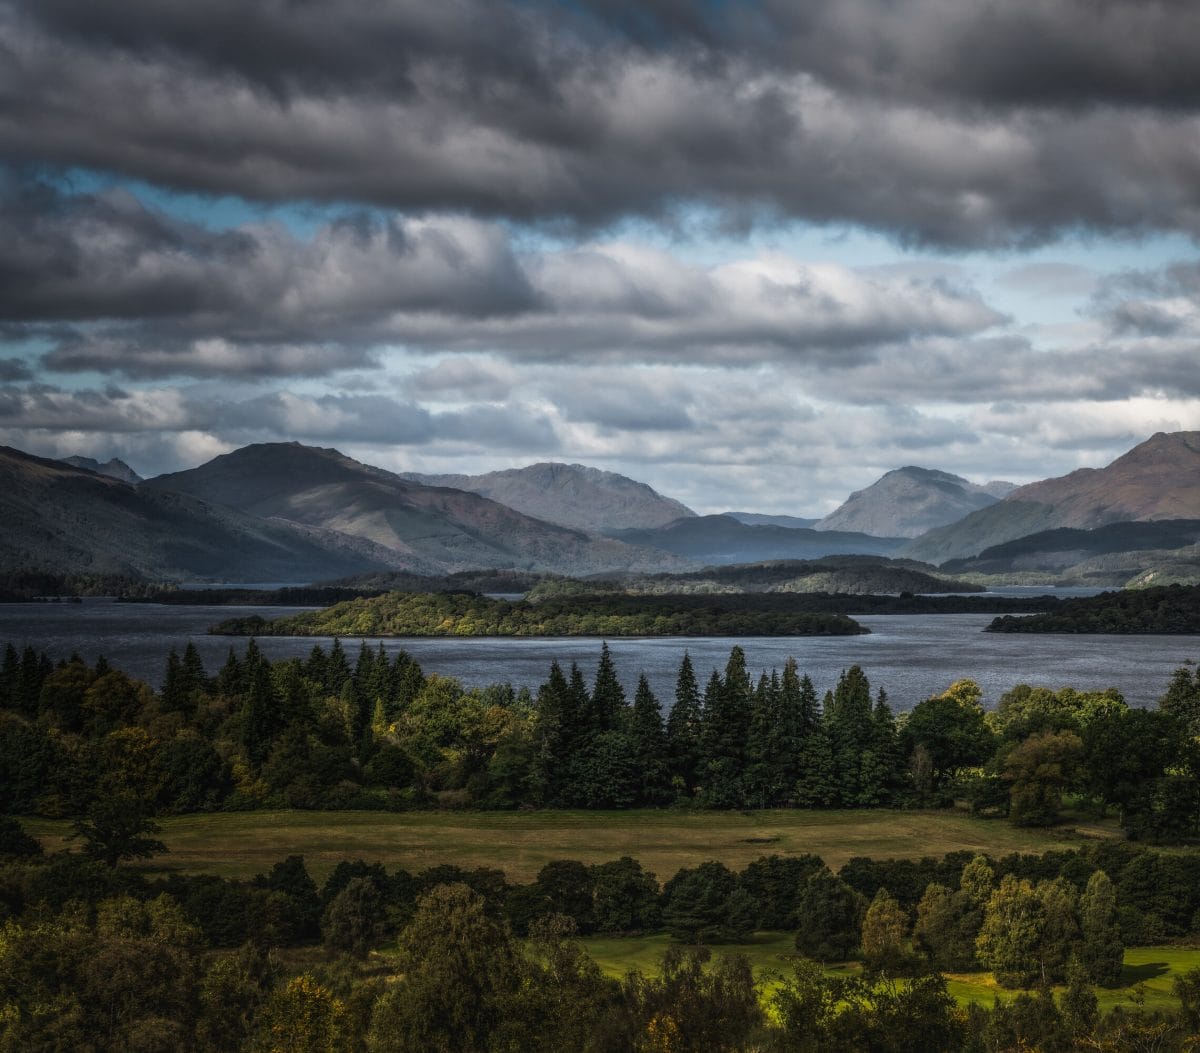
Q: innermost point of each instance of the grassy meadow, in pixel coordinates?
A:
(1148, 973)
(242, 844)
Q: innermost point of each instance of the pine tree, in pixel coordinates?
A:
(851, 730)
(881, 768)
(10, 673)
(796, 720)
(260, 714)
(649, 746)
(231, 680)
(316, 668)
(724, 733)
(683, 728)
(608, 696)
(816, 784)
(762, 743)
(1182, 700)
(549, 736)
(405, 681)
(1079, 1005)
(195, 677)
(173, 695)
(31, 675)
(337, 668)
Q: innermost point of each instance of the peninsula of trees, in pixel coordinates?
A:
(1166, 609)
(466, 614)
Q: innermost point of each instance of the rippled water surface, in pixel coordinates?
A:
(912, 656)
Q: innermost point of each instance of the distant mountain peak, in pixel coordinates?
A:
(908, 501)
(570, 495)
(114, 468)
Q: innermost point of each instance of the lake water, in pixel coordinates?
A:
(911, 656)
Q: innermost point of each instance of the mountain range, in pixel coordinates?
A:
(429, 529)
(288, 512)
(570, 495)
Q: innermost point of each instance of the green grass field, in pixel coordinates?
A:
(1149, 971)
(241, 844)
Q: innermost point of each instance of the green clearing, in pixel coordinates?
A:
(1149, 971)
(242, 844)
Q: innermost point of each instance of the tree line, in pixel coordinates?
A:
(90, 743)
(1165, 609)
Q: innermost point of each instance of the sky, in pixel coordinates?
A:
(754, 254)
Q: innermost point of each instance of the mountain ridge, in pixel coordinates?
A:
(114, 468)
(576, 496)
(73, 520)
(908, 501)
(440, 527)
(1156, 479)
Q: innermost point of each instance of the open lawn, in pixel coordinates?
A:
(241, 844)
(1148, 974)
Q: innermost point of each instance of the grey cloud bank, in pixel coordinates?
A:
(938, 121)
(506, 251)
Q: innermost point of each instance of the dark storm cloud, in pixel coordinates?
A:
(67, 257)
(146, 295)
(931, 120)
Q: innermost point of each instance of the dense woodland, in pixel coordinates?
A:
(468, 614)
(560, 608)
(1167, 609)
(377, 732)
(98, 955)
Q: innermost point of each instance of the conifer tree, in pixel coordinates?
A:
(405, 681)
(260, 714)
(725, 731)
(683, 728)
(231, 680)
(817, 785)
(881, 766)
(1182, 700)
(608, 696)
(173, 695)
(762, 745)
(649, 746)
(316, 667)
(851, 730)
(337, 669)
(549, 736)
(195, 678)
(796, 718)
(10, 672)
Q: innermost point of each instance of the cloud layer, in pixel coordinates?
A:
(475, 233)
(934, 120)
